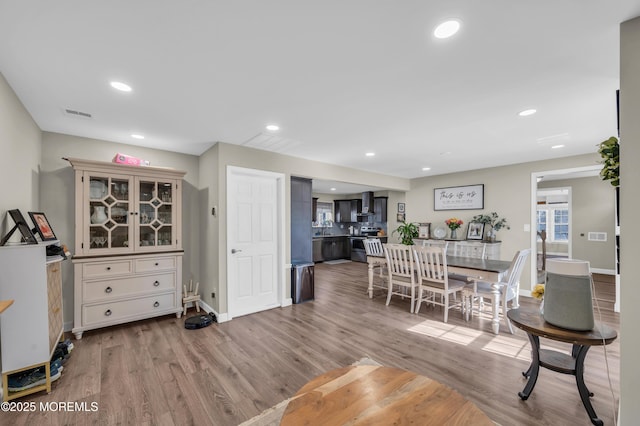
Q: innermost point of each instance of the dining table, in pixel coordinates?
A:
(489, 270)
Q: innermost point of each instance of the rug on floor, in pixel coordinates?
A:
(337, 262)
(272, 416)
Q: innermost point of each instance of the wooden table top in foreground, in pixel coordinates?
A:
(376, 395)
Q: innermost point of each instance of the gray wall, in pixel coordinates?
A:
(20, 139)
(592, 210)
(629, 208)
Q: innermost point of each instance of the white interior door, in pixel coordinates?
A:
(253, 233)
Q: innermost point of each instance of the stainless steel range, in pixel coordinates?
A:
(357, 242)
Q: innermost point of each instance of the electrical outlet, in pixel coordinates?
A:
(213, 295)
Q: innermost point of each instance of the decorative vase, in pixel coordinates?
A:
(454, 234)
(99, 215)
(491, 235)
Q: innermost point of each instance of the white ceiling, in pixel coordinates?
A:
(341, 78)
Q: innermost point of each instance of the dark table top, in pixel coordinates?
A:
(533, 322)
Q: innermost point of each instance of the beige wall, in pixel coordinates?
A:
(629, 208)
(506, 191)
(20, 159)
(592, 210)
(58, 195)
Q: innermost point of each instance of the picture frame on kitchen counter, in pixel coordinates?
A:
(468, 197)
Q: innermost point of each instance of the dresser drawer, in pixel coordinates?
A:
(115, 311)
(106, 269)
(155, 264)
(125, 287)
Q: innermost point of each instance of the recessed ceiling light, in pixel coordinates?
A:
(137, 136)
(120, 86)
(426, 169)
(527, 112)
(370, 154)
(333, 189)
(272, 127)
(557, 146)
(447, 29)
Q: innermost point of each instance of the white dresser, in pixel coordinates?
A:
(128, 252)
(492, 250)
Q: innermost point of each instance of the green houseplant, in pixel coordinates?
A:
(407, 231)
(609, 150)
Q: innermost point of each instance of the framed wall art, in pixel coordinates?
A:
(400, 207)
(470, 197)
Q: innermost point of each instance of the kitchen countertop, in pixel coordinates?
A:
(328, 236)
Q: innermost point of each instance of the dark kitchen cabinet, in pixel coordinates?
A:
(356, 207)
(335, 248)
(342, 209)
(380, 209)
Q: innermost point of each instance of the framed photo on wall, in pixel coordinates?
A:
(400, 217)
(475, 231)
(42, 226)
(400, 207)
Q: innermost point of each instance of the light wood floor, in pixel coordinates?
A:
(157, 372)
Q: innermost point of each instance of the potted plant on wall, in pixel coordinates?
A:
(496, 222)
(407, 231)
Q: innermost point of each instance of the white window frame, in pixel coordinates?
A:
(550, 209)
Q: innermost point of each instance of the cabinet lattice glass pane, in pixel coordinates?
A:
(156, 213)
(108, 213)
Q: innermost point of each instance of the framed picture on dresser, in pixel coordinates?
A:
(475, 231)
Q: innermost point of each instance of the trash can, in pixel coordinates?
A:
(301, 281)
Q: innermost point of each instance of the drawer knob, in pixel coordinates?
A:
(107, 312)
(108, 290)
(157, 264)
(108, 268)
(156, 283)
(155, 305)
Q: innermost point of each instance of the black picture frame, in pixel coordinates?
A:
(22, 226)
(42, 226)
(475, 231)
(401, 207)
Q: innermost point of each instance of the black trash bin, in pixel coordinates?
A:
(301, 281)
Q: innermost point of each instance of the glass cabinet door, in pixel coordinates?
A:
(156, 213)
(109, 211)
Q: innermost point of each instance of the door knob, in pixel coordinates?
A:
(234, 251)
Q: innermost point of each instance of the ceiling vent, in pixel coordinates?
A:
(271, 143)
(74, 113)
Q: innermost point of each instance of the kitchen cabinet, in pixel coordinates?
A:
(380, 209)
(333, 248)
(314, 209)
(342, 209)
(31, 328)
(356, 207)
(317, 250)
(128, 260)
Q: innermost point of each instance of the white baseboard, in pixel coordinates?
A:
(603, 271)
(287, 302)
(219, 317)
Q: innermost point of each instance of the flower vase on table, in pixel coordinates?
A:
(454, 234)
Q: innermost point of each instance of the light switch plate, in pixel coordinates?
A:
(527, 227)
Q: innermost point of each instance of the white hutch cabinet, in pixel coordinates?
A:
(128, 243)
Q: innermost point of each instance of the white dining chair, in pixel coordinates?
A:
(376, 259)
(436, 243)
(401, 272)
(466, 249)
(508, 289)
(433, 279)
